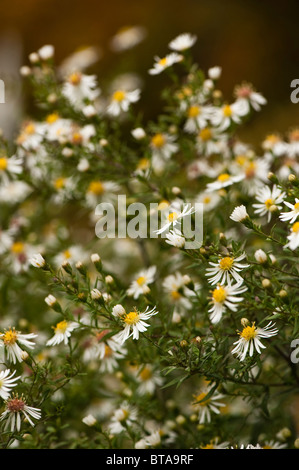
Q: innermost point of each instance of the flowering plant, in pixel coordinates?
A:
(146, 342)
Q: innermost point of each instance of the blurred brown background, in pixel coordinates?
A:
(255, 40)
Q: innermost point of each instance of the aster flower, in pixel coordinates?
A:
(224, 180)
(175, 238)
(123, 417)
(121, 101)
(108, 352)
(293, 237)
(17, 409)
(12, 165)
(173, 215)
(226, 269)
(163, 146)
(249, 340)
(229, 113)
(7, 382)
(239, 214)
(246, 93)
(134, 323)
(207, 406)
(62, 332)
(140, 285)
(182, 42)
(269, 201)
(148, 379)
(10, 341)
(225, 297)
(80, 88)
(127, 37)
(292, 215)
(197, 117)
(37, 261)
(163, 63)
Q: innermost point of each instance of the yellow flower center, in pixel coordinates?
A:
(61, 326)
(175, 295)
(51, 118)
(296, 206)
(141, 280)
(172, 216)
(119, 95)
(10, 337)
(223, 177)
(17, 248)
(145, 374)
(143, 164)
(96, 187)
(163, 61)
(208, 446)
(108, 351)
(59, 183)
(226, 263)
(193, 111)
(29, 129)
(76, 138)
(250, 170)
(295, 227)
(249, 332)
(158, 140)
(241, 160)
(3, 163)
(227, 111)
(205, 134)
(206, 200)
(269, 203)
(219, 295)
(201, 398)
(131, 318)
(67, 254)
(75, 78)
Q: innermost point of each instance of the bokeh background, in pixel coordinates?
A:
(254, 40)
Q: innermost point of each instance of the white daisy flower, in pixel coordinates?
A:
(123, 417)
(215, 444)
(293, 237)
(163, 146)
(99, 190)
(10, 341)
(239, 214)
(109, 352)
(182, 42)
(71, 255)
(226, 269)
(224, 180)
(121, 100)
(17, 409)
(225, 297)
(226, 115)
(163, 63)
(37, 261)
(197, 118)
(127, 38)
(176, 286)
(31, 135)
(249, 340)
(140, 285)
(250, 97)
(209, 200)
(13, 165)
(148, 379)
(14, 192)
(62, 333)
(173, 215)
(80, 88)
(134, 323)
(209, 141)
(206, 406)
(7, 382)
(175, 238)
(269, 201)
(214, 73)
(292, 215)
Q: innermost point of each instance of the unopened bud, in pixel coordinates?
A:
(266, 283)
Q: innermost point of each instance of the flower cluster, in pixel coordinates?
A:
(115, 341)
